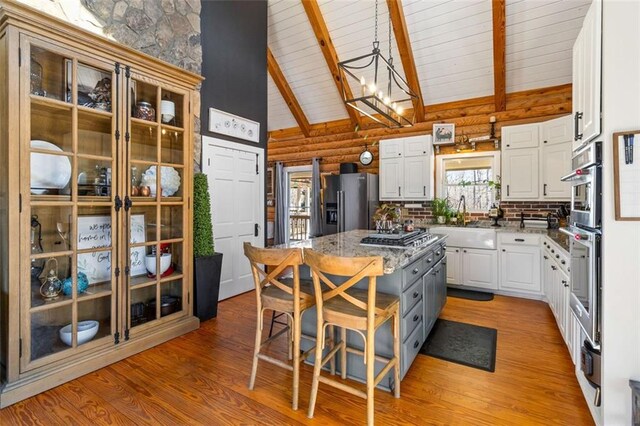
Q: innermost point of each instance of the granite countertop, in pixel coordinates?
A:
(558, 237)
(347, 244)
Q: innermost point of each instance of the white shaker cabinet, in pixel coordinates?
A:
(522, 136)
(587, 68)
(454, 265)
(520, 177)
(555, 163)
(531, 169)
(479, 268)
(391, 178)
(406, 169)
(519, 263)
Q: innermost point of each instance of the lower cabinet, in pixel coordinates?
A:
(472, 267)
(480, 268)
(520, 268)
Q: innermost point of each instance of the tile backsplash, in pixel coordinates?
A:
(512, 210)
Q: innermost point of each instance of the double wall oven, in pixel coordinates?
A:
(585, 231)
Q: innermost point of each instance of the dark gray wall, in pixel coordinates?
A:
(234, 62)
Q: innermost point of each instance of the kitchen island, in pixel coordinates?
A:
(417, 276)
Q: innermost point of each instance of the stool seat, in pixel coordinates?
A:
(281, 301)
(341, 312)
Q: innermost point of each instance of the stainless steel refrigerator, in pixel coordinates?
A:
(349, 202)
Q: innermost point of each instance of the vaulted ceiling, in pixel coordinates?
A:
(451, 41)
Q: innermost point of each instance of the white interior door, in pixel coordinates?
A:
(236, 187)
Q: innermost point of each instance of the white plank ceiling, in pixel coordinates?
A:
(452, 43)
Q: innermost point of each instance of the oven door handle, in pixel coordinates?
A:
(567, 232)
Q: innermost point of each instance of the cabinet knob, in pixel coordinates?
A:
(504, 250)
(416, 317)
(546, 257)
(416, 294)
(557, 256)
(438, 253)
(429, 260)
(464, 251)
(457, 251)
(415, 271)
(563, 262)
(554, 267)
(416, 344)
(553, 251)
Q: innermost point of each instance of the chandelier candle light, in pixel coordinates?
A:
(383, 107)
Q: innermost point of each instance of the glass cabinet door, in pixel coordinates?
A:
(157, 217)
(69, 158)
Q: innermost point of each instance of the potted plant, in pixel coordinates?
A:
(207, 263)
(384, 216)
(440, 210)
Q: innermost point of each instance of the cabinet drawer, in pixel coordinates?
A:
(410, 297)
(428, 261)
(438, 252)
(519, 239)
(412, 272)
(411, 348)
(411, 320)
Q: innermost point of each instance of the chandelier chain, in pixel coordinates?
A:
(375, 27)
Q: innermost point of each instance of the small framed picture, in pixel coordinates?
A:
(444, 134)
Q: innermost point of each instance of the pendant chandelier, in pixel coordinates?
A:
(379, 91)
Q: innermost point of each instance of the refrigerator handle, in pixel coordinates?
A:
(339, 212)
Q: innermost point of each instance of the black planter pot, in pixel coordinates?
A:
(206, 277)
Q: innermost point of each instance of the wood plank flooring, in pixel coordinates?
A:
(201, 378)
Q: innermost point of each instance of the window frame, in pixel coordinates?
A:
(440, 159)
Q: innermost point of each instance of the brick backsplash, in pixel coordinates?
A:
(512, 210)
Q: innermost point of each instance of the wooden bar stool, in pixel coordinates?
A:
(357, 310)
(289, 296)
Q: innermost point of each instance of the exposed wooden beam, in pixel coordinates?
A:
(314, 14)
(499, 42)
(396, 14)
(287, 93)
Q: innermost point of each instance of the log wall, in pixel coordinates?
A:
(336, 142)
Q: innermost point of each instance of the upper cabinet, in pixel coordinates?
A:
(587, 68)
(534, 158)
(406, 169)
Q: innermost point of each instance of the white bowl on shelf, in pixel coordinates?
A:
(87, 330)
(48, 171)
(150, 263)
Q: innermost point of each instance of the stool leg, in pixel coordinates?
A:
(370, 357)
(290, 338)
(296, 356)
(343, 353)
(317, 366)
(273, 319)
(396, 353)
(332, 342)
(256, 350)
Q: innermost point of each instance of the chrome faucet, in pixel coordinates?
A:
(463, 201)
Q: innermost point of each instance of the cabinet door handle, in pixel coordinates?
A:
(544, 190)
(504, 250)
(520, 240)
(464, 251)
(566, 284)
(416, 317)
(579, 116)
(399, 192)
(424, 191)
(507, 187)
(415, 271)
(416, 294)
(416, 344)
(554, 267)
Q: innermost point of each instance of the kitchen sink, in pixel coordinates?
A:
(469, 236)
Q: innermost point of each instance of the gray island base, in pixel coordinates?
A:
(417, 276)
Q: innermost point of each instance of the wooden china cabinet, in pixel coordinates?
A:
(95, 202)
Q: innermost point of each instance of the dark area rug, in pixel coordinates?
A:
(480, 296)
(465, 344)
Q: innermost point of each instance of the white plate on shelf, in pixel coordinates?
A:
(48, 171)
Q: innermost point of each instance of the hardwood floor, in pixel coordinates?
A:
(202, 377)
